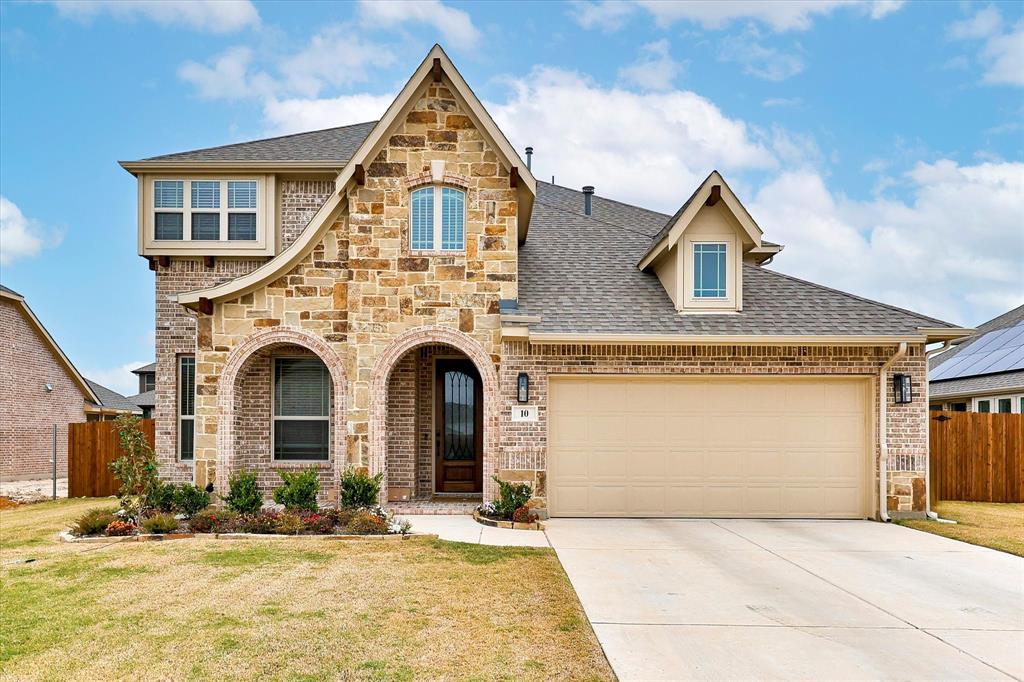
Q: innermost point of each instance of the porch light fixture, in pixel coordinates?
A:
(903, 389)
(523, 387)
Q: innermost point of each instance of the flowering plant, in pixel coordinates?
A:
(120, 528)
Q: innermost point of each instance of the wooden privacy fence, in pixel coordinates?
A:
(92, 446)
(977, 457)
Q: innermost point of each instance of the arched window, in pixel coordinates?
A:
(437, 219)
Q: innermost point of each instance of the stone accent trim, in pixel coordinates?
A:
(380, 378)
(226, 395)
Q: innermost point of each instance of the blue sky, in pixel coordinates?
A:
(881, 142)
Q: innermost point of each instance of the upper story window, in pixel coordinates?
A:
(205, 210)
(710, 270)
(437, 219)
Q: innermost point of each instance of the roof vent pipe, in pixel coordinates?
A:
(529, 158)
(588, 199)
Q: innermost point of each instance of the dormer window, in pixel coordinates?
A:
(212, 214)
(709, 270)
(437, 219)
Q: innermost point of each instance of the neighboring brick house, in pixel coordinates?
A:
(985, 371)
(40, 389)
(405, 296)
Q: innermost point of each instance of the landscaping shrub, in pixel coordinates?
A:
(93, 522)
(289, 523)
(299, 489)
(367, 523)
(161, 497)
(120, 528)
(244, 495)
(188, 499)
(524, 515)
(160, 523)
(359, 489)
(511, 496)
(321, 522)
(263, 522)
(212, 521)
(136, 469)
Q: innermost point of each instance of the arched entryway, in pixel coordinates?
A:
(280, 395)
(434, 421)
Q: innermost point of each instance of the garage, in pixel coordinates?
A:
(657, 446)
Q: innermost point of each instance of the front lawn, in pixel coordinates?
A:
(999, 526)
(296, 609)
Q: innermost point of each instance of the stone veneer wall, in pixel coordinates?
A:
(361, 287)
(523, 454)
(27, 412)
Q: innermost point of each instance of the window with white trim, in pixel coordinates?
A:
(205, 210)
(301, 403)
(186, 407)
(437, 219)
(710, 270)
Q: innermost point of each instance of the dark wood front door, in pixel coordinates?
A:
(458, 420)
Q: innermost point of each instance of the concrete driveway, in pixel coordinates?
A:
(732, 599)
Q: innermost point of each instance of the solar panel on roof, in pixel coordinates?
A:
(1001, 350)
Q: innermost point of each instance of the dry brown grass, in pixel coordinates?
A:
(301, 609)
(995, 525)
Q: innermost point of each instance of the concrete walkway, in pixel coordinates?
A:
(464, 529)
(688, 599)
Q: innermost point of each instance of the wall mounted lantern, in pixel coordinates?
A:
(902, 388)
(523, 387)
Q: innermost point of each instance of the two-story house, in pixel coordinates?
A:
(403, 295)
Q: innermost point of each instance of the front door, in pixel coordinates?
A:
(458, 424)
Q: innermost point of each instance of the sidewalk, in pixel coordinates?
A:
(464, 529)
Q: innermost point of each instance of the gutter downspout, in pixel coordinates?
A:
(883, 428)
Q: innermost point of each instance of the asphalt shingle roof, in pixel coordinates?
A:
(112, 399)
(331, 144)
(151, 367)
(145, 399)
(579, 275)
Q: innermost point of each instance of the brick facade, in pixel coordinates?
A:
(524, 444)
(28, 412)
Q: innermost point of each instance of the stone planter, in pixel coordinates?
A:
(511, 525)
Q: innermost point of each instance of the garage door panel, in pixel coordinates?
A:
(719, 446)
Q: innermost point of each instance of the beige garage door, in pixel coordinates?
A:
(719, 447)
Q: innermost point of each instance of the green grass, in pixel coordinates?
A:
(296, 609)
(996, 525)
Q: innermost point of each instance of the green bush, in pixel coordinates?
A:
(244, 494)
(359, 489)
(367, 523)
(161, 496)
(299, 490)
(511, 496)
(212, 521)
(160, 523)
(93, 522)
(188, 499)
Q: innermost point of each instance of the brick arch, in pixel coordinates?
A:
(235, 363)
(381, 375)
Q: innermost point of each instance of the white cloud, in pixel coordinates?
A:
(952, 250)
(227, 76)
(651, 148)
(299, 114)
(608, 15)
(22, 237)
(1002, 52)
(118, 379)
(454, 25)
(772, 102)
(222, 16)
(654, 69)
(756, 59)
(782, 15)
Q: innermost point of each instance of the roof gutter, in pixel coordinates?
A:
(135, 167)
(735, 339)
(883, 428)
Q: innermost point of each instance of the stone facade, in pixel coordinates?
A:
(524, 444)
(29, 412)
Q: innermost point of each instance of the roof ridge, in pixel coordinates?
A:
(849, 295)
(262, 139)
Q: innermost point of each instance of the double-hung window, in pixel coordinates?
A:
(437, 219)
(205, 210)
(186, 407)
(302, 398)
(709, 270)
